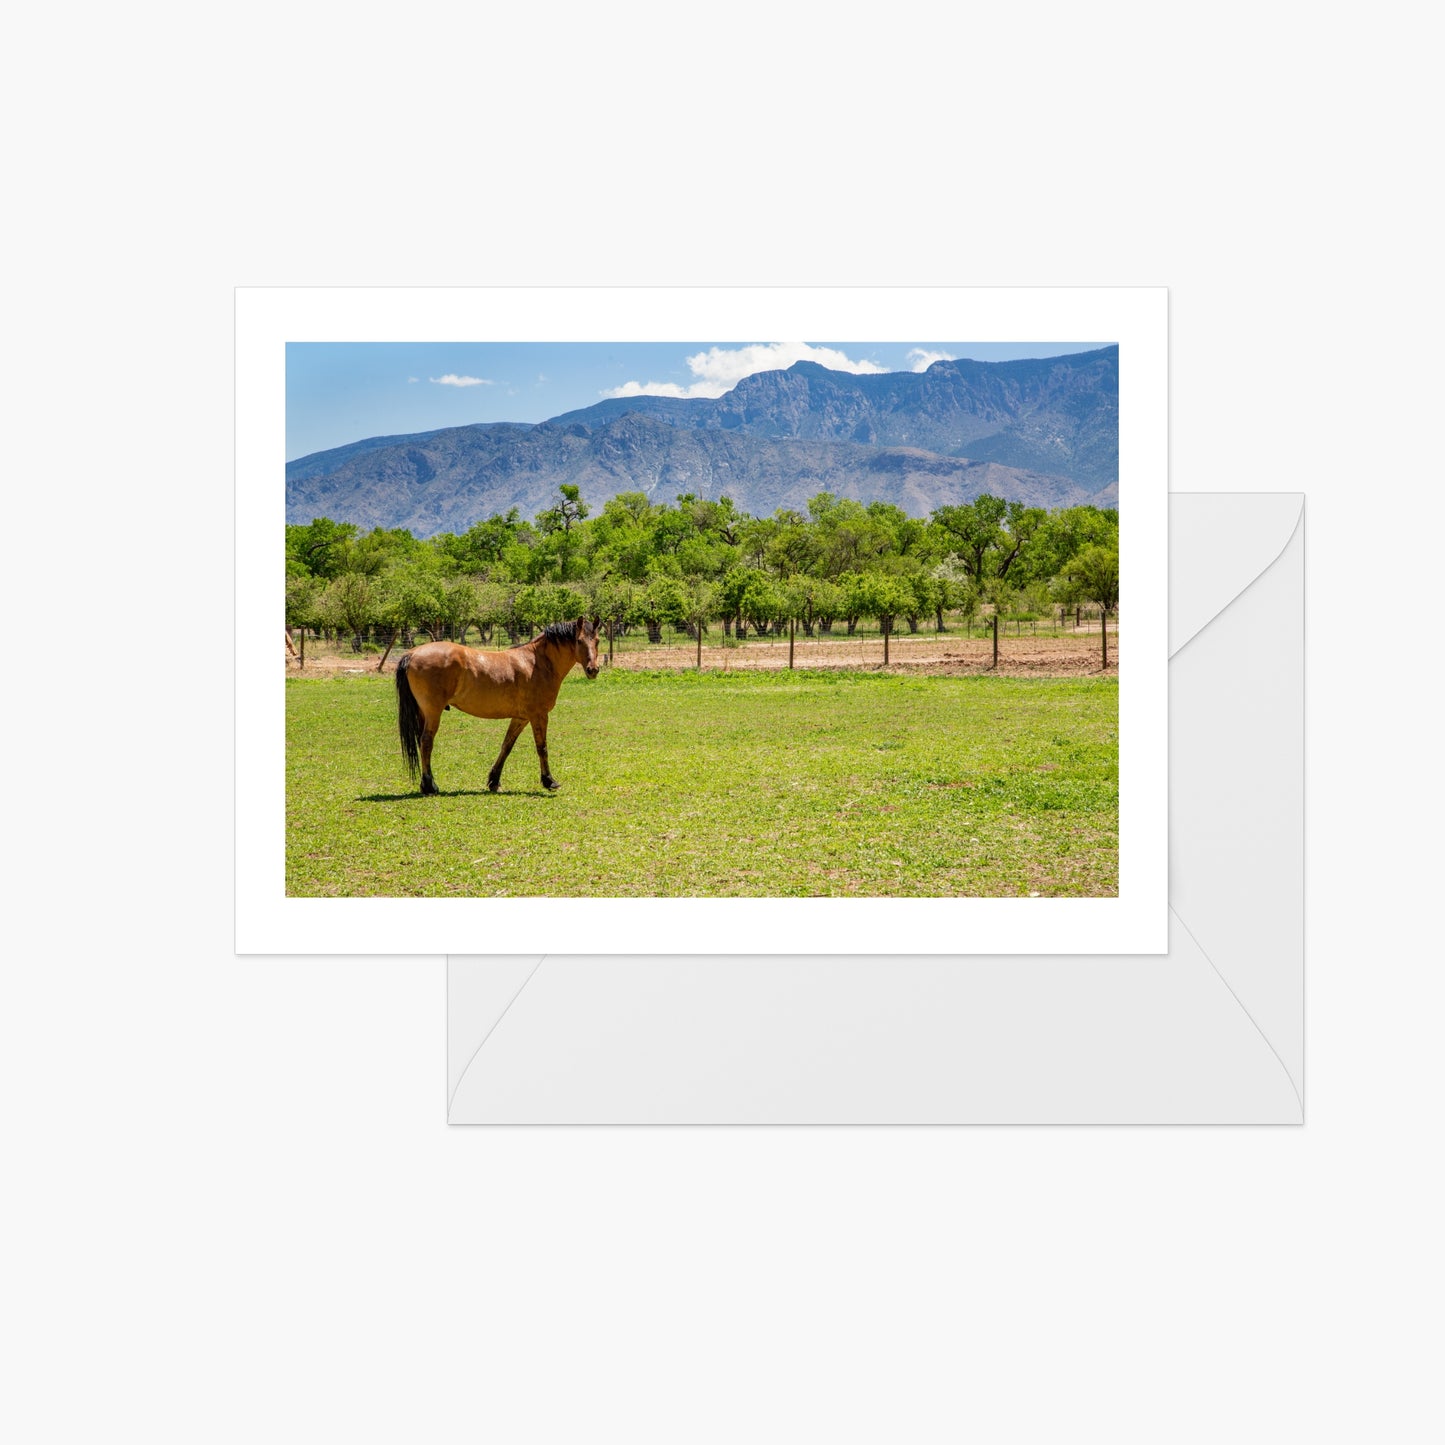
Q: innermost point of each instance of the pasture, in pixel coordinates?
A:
(753, 783)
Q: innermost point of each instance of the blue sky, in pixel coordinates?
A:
(339, 392)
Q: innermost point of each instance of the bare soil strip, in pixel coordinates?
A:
(951, 654)
(1032, 656)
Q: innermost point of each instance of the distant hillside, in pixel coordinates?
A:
(320, 463)
(1039, 431)
(1055, 414)
(450, 479)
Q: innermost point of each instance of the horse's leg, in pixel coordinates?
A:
(539, 733)
(431, 718)
(514, 731)
(428, 783)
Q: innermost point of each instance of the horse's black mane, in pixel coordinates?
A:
(554, 632)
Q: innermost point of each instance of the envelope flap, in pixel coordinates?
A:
(1236, 836)
(1211, 1032)
(1219, 543)
(1142, 1039)
(479, 993)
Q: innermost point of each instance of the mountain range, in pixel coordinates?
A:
(1042, 431)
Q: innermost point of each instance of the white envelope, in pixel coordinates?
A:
(1211, 1032)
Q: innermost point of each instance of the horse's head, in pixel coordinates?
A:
(586, 645)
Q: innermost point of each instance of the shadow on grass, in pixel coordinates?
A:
(455, 793)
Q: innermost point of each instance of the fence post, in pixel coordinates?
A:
(699, 646)
(886, 630)
(792, 632)
(995, 638)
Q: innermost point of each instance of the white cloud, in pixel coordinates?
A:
(720, 368)
(411, 379)
(654, 388)
(452, 379)
(922, 360)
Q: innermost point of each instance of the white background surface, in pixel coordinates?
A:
(233, 1210)
(1136, 921)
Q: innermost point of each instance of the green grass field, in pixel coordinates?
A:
(754, 784)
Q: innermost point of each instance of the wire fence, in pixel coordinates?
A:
(864, 645)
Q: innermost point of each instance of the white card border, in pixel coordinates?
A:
(269, 922)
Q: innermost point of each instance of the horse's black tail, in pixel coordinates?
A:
(408, 717)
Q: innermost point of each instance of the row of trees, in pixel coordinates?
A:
(637, 563)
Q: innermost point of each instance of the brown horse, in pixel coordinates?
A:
(520, 683)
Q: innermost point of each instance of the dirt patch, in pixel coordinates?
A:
(1063, 656)
(951, 655)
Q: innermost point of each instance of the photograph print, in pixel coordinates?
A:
(705, 619)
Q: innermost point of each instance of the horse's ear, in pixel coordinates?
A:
(596, 621)
(580, 625)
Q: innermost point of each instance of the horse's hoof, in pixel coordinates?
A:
(551, 784)
(429, 789)
(493, 784)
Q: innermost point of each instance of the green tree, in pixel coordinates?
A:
(701, 556)
(876, 594)
(974, 531)
(380, 548)
(854, 598)
(303, 593)
(564, 516)
(807, 567)
(413, 593)
(925, 598)
(350, 604)
(540, 605)
(827, 599)
(614, 599)
(320, 547)
(952, 579)
(484, 544)
(804, 597)
(849, 538)
(1020, 526)
(1064, 534)
(459, 604)
(1095, 573)
(793, 547)
(621, 537)
(663, 602)
(494, 607)
(301, 598)
(733, 594)
(699, 608)
(966, 599)
(762, 603)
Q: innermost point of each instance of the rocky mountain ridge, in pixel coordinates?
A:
(1040, 431)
